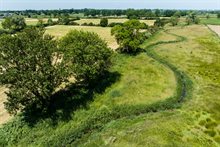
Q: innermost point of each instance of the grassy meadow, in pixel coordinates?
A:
(197, 122)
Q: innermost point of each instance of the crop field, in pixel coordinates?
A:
(215, 28)
(105, 33)
(97, 21)
(33, 21)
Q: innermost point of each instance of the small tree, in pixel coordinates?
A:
(14, 23)
(40, 23)
(87, 55)
(192, 18)
(218, 15)
(128, 36)
(104, 22)
(159, 22)
(27, 67)
(188, 20)
(50, 21)
(207, 16)
(177, 14)
(174, 20)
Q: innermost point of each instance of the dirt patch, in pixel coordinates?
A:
(215, 28)
(4, 116)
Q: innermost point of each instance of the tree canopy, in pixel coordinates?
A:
(104, 22)
(128, 35)
(87, 54)
(14, 23)
(28, 68)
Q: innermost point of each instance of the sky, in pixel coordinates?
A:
(109, 4)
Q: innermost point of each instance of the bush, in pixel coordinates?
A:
(29, 70)
(89, 24)
(73, 23)
(114, 24)
(174, 20)
(129, 36)
(88, 55)
(104, 22)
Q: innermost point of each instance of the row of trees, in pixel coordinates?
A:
(130, 13)
(34, 65)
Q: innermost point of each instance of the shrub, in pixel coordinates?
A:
(114, 24)
(174, 20)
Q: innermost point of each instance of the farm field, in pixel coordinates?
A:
(142, 95)
(97, 21)
(210, 21)
(215, 28)
(105, 33)
(33, 21)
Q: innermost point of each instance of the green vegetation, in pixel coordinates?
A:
(128, 36)
(174, 20)
(27, 69)
(104, 32)
(166, 95)
(15, 23)
(211, 21)
(89, 55)
(104, 22)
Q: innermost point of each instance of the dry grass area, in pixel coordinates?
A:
(105, 33)
(215, 28)
(4, 116)
(33, 21)
(97, 21)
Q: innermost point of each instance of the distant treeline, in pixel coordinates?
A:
(130, 13)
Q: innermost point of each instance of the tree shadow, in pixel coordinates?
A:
(68, 100)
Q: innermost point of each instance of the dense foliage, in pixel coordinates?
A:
(28, 69)
(87, 53)
(129, 36)
(104, 22)
(15, 23)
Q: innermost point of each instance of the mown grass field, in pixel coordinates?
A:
(210, 21)
(139, 81)
(105, 33)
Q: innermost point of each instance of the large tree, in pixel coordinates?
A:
(128, 35)
(87, 55)
(14, 23)
(28, 67)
